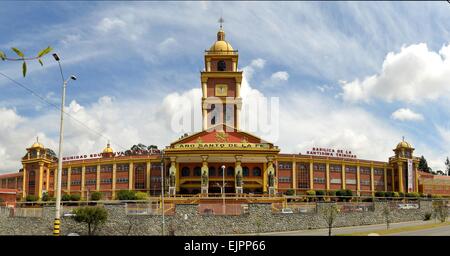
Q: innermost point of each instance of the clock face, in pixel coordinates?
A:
(221, 90)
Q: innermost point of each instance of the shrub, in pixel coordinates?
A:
(95, 196)
(427, 216)
(412, 194)
(320, 192)
(141, 196)
(93, 216)
(395, 194)
(290, 192)
(65, 197)
(332, 193)
(389, 194)
(380, 194)
(75, 197)
(126, 195)
(45, 197)
(401, 194)
(31, 198)
(311, 193)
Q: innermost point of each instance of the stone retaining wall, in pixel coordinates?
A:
(187, 221)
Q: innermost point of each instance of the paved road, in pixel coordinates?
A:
(345, 230)
(439, 231)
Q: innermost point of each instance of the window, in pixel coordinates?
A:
(335, 168)
(285, 165)
(303, 176)
(91, 169)
(365, 182)
(350, 181)
(106, 181)
(185, 171)
(378, 171)
(319, 167)
(122, 180)
(319, 180)
(123, 167)
(75, 170)
(335, 181)
(91, 182)
(197, 171)
(257, 171)
(64, 172)
(212, 171)
(378, 182)
(75, 182)
(245, 171)
(364, 170)
(350, 169)
(221, 65)
(284, 179)
(230, 171)
(106, 168)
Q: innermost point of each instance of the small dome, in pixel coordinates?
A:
(403, 144)
(37, 144)
(108, 149)
(221, 45)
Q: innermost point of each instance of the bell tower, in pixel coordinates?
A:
(221, 84)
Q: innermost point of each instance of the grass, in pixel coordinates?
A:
(398, 230)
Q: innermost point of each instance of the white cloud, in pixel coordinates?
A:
(406, 114)
(107, 24)
(254, 65)
(279, 76)
(413, 75)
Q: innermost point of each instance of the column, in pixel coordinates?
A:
(234, 65)
(41, 173)
(343, 176)
(400, 177)
(385, 178)
(83, 177)
(113, 186)
(327, 174)
(271, 175)
(69, 174)
(238, 118)
(416, 178)
(294, 176)
(204, 177)
(393, 178)
(177, 180)
(311, 174)
(358, 181)
(204, 119)
(265, 178)
(130, 176)
(208, 65)
(173, 176)
(55, 180)
(147, 176)
(47, 182)
(372, 186)
(97, 184)
(24, 180)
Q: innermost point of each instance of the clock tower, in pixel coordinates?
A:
(221, 85)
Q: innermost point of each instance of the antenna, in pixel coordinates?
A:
(221, 21)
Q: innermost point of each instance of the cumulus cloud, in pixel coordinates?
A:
(255, 65)
(107, 24)
(414, 75)
(280, 76)
(406, 114)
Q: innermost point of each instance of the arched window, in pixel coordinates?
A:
(220, 171)
(185, 171)
(245, 171)
(256, 171)
(221, 65)
(212, 171)
(197, 171)
(230, 171)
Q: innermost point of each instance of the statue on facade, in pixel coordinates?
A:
(271, 179)
(172, 179)
(205, 178)
(239, 179)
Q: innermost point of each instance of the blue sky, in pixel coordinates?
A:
(359, 75)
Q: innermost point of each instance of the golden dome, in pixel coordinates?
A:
(221, 45)
(403, 144)
(108, 149)
(37, 144)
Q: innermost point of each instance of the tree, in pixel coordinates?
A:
(329, 213)
(387, 214)
(93, 216)
(447, 166)
(23, 59)
(423, 165)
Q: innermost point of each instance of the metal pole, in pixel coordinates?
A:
(162, 192)
(57, 222)
(223, 189)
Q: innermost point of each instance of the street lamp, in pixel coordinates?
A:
(223, 189)
(57, 222)
(162, 191)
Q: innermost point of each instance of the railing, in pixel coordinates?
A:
(223, 209)
(28, 212)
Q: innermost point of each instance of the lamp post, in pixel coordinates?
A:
(162, 191)
(57, 222)
(223, 189)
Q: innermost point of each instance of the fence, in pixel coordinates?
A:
(5, 211)
(28, 212)
(356, 207)
(223, 209)
(149, 208)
